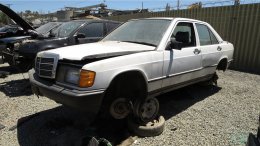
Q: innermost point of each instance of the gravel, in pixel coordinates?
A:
(195, 115)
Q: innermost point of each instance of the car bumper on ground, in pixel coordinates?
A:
(2, 47)
(86, 101)
(254, 140)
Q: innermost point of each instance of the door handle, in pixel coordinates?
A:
(219, 48)
(196, 51)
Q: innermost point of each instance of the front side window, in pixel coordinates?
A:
(67, 28)
(184, 33)
(206, 36)
(93, 30)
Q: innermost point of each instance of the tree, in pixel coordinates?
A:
(28, 12)
(3, 18)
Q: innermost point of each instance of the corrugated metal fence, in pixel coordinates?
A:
(239, 25)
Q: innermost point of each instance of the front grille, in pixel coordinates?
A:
(44, 67)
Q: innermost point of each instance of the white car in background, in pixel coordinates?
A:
(122, 73)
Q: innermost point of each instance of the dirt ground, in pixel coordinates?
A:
(195, 115)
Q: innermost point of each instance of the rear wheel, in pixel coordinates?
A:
(212, 81)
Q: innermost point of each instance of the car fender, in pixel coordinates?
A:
(129, 70)
(108, 69)
(104, 81)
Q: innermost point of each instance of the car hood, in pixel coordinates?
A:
(97, 50)
(33, 46)
(16, 18)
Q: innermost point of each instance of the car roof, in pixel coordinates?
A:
(95, 20)
(171, 18)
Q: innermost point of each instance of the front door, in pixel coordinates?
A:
(184, 64)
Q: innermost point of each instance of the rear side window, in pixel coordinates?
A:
(206, 36)
(93, 30)
(213, 38)
(111, 26)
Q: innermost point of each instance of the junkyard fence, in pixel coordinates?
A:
(237, 24)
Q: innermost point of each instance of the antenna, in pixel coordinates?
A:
(178, 4)
(237, 2)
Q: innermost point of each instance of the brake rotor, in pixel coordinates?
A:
(149, 109)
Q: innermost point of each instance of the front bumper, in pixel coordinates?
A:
(14, 58)
(86, 101)
(9, 57)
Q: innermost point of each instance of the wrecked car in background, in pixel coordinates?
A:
(25, 27)
(24, 32)
(9, 30)
(121, 74)
(21, 51)
(13, 44)
(69, 33)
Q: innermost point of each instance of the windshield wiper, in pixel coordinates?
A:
(143, 43)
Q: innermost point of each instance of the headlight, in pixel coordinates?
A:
(72, 76)
(16, 46)
(86, 78)
(68, 74)
(75, 76)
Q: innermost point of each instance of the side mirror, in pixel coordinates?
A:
(33, 33)
(175, 44)
(51, 35)
(80, 36)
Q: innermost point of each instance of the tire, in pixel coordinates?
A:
(110, 97)
(154, 128)
(146, 109)
(24, 65)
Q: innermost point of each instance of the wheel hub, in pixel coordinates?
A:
(120, 109)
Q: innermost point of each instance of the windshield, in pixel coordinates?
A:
(146, 31)
(67, 28)
(46, 28)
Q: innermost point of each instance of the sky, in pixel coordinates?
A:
(45, 6)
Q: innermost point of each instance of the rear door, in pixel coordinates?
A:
(93, 32)
(210, 47)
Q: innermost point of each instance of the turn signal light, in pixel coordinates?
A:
(87, 78)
